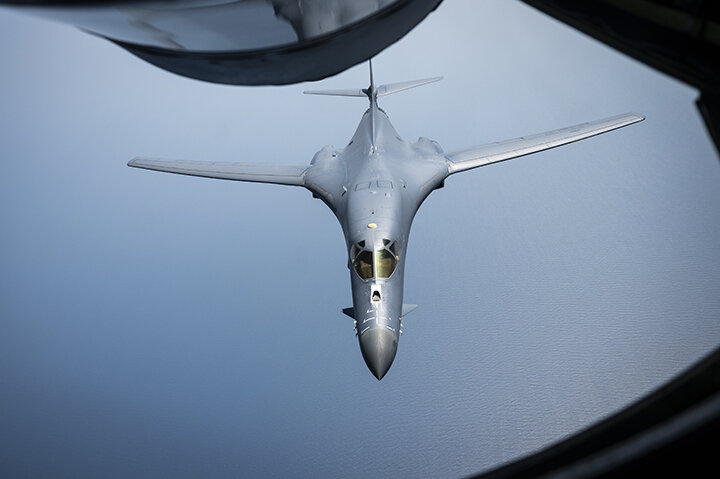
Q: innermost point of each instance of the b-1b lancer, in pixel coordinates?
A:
(374, 186)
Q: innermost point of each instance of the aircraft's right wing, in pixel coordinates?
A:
(256, 172)
(505, 150)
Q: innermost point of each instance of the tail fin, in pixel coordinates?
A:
(371, 92)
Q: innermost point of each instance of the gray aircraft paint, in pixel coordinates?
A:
(374, 186)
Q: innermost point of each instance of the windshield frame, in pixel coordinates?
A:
(379, 262)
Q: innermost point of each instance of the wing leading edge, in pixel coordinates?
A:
(505, 150)
(259, 173)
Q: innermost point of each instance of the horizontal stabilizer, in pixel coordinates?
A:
(349, 312)
(407, 309)
(348, 92)
(255, 172)
(391, 88)
(382, 90)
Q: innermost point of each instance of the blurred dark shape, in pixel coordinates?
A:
(672, 432)
(680, 38)
(243, 42)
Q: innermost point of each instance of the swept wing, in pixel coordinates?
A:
(505, 150)
(255, 172)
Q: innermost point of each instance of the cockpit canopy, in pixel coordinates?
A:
(380, 262)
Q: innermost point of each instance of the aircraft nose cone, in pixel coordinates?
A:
(378, 346)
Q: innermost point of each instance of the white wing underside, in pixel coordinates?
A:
(259, 173)
(457, 161)
(505, 150)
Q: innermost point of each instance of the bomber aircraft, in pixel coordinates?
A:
(374, 186)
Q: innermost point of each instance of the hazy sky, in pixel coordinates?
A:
(156, 325)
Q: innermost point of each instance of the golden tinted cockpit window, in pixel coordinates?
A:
(380, 263)
(385, 262)
(364, 265)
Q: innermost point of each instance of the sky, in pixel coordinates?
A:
(157, 325)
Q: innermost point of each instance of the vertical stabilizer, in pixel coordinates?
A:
(373, 93)
(372, 82)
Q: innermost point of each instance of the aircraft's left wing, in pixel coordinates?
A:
(505, 150)
(256, 172)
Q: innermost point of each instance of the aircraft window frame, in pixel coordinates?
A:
(377, 263)
(364, 185)
(384, 184)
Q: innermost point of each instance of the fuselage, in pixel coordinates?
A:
(384, 181)
(374, 186)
